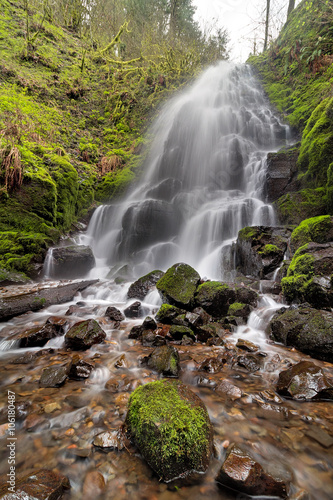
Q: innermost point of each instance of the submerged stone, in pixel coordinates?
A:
(305, 381)
(241, 472)
(84, 334)
(54, 376)
(170, 425)
(178, 285)
(41, 484)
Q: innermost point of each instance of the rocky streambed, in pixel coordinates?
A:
(70, 368)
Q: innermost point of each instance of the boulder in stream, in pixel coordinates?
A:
(309, 330)
(215, 298)
(84, 334)
(241, 472)
(38, 336)
(165, 360)
(55, 376)
(140, 288)
(41, 484)
(178, 285)
(305, 381)
(170, 425)
(71, 262)
(134, 310)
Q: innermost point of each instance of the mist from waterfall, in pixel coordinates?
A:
(202, 182)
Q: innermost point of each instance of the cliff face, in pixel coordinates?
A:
(297, 74)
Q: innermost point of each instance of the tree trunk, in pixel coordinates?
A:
(267, 24)
(291, 7)
(174, 14)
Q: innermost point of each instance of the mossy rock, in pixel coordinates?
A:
(215, 298)
(165, 360)
(239, 310)
(292, 208)
(84, 335)
(141, 287)
(171, 427)
(317, 229)
(167, 313)
(178, 285)
(177, 332)
(13, 278)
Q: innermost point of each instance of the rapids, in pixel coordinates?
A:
(203, 181)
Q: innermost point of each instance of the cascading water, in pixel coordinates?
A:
(203, 181)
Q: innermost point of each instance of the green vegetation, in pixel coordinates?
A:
(171, 430)
(318, 229)
(292, 208)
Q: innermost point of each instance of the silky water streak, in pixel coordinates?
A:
(203, 180)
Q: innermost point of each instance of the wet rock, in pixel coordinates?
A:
(13, 278)
(245, 345)
(39, 484)
(166, 408)
(71, 262)
(109, 439)
(23, 302)
(315, 229)
(177, 332)
(281, 173)
(245, 295)
(150, 338)
(94, 484)
(187, 340)
(243, 473)
(178, 285)
(136, 332)
(149, 324)
(35, 422)
(321, 436)
(270, 397)
(239, 310)
(36, 337)
(305, 381)
(134, 310)
(121, 362)
(80, 369)
(167, 313)
(260, 250)
(54, 376)
(270, 286)
(306, 328)
(84, 334)
(140, 288)
(215, 298)
(272, 411)
(114, 315)
(229, 389)
(250, 362)
(205, 318)
(210, 331)
(165, 360)
(59, 323)
(211, 365)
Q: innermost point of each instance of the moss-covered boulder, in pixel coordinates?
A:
(165, 360)
(309, 277)
(260, 250)
(215, 298)
(307, 329)
(292, 208)
(141, 287)
(239, 310)
(317, 229)
(177, 332)
(171, 427)
(84, 334)
(178, 285)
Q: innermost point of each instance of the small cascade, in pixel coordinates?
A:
(48, 269)
(203, 180)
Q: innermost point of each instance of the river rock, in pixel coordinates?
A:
(41, 484)
(165, 360)
(305, 381)
(250, 362)
(260, 250)
(109, 439)
(170, 425)
(36, 337)
(308, 329)
(215, 298)
(211, 365)
(281, 173)
(228, 389)
(140, 288)
(84, 334)
(80, 369)
(22, 301)
(168, 313)
(246, 345)
(54, 376)
(178, 285)
(94, 484)
(177, 332)
(210, 331)
(241, 472)
(71, 262)
(114, 315)
(134, 310)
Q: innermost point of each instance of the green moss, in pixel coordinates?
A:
(292, 208)
(236, 306)
(183, 428)
(248, 233)
(313, 229)
(270, 250)
(178, 285)
(114, 184)
(297, 284)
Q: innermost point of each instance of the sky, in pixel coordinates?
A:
(240, 18)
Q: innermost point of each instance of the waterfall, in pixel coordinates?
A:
(202, 182)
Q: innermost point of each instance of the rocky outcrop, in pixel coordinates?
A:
(241, 472)
(71, 262)
(171, 427)
(260, 250)
(308, 329)
(140, 288)
(18, 303)
(84, 334)
(281, 174)
(178, 285)
(305, 381)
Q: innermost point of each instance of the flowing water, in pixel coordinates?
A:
(202, 183)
